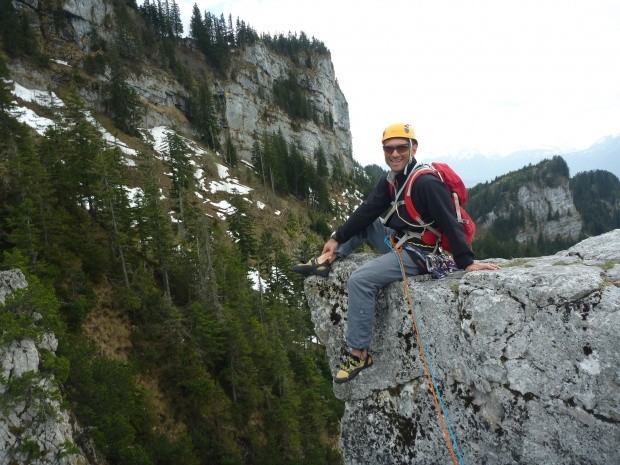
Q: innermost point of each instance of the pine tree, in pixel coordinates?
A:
(154, 225)
(16, 34)
(113, 206)
(122, 102)
(257, 161)
(181, 172)
(230, 152)
(320, 181)
(6, 97)
(29, 214)
(203, 116)
(241, 229)
(175, 19)
(203, 283)
(69, 150)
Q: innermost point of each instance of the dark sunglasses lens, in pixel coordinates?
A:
(401, 149)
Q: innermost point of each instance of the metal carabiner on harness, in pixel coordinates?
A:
(439, 265)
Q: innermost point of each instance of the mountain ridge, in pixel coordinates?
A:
(479, 168)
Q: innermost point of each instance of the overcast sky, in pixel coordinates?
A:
(483, 76)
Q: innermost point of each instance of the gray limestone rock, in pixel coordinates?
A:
(527, 359)
(11, 281)
(34, 427)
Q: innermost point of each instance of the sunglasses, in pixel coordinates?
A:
(401, 149)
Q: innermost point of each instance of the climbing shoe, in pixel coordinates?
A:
(312, 268)
(350, 366)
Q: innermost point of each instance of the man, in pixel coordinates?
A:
(432, 201)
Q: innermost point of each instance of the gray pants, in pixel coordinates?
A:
(368, 279)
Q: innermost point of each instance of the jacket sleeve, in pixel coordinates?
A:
(432, 200)
(369, 210)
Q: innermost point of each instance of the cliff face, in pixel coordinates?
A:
(549, 211)
(552, 210)
(248, 107)
(245, 94)
(527, 359)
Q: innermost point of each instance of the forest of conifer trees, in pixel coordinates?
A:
(237, 367)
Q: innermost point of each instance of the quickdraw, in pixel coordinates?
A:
(444, 421)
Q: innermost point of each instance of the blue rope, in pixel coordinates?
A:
(430, 368)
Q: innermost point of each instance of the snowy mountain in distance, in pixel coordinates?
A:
(477, 168)
(480, 168)
(603, 155)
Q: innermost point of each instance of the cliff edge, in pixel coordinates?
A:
(527, 358)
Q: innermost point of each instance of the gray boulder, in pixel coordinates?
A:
(35, 427)
(527, 359)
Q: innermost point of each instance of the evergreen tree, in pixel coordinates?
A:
(245, 34)
(182, 174)
(230, 152)
(257, 161)
(203, 283)
(153, 225)
(197, 30)
(69, 151)
(6, 97)
(321, 179)
(241, 229)
(597, 199)
(29, 214)
(175, 19)
(122, 102)
(16, 34)
(203, 116)
(113, 206)
(128, 44)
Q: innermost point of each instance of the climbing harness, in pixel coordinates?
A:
(449, 436)
(437, 263)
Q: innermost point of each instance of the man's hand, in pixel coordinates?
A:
(328, 250)
(482, 266)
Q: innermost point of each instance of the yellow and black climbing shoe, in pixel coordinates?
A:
(350, 366)
(312, 268)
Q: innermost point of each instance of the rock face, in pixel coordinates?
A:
(34, 428)
(249, 108)
(527, 358)
(244, 94)
(549, 211)
(552, 209)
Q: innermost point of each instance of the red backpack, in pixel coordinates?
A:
(458, 190)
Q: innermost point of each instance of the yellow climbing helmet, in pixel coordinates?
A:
(403, 130)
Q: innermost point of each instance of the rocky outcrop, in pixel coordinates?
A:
(34, 427)
(244, 95)
(552, 212)
(527, 359)
(247, 97)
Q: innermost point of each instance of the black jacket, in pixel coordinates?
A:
(433, 202)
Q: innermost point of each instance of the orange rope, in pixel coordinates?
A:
(423, 354)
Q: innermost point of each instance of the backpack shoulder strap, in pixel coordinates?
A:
(419, 171)
(396, 196)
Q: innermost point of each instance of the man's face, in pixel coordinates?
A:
(397, 153)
